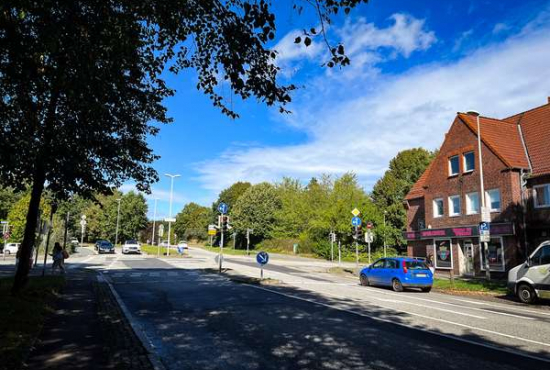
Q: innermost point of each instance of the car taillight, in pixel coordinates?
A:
(405, 270)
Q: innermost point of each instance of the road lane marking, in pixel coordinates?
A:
(431, 308)
(448, 304)
(504, 306)
(450, 336)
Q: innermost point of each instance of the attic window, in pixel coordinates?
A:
(454, 165)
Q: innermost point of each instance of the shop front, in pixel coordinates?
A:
(457, 249)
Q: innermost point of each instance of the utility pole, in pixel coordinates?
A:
(248, 231)
(482, 193)
(170, 213)
(117, 220)
(332, 236)
(385, 212)
(339, 252)
(154, 222)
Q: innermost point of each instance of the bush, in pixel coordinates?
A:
(278, 245)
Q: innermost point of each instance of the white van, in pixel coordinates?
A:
(531, 280)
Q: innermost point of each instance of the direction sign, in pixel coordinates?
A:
(356, 221)
(355, 212)
(223, 208)
(262, 258)
(170, 219)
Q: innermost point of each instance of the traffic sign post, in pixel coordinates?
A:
(262, 258)
(248, 232)
(356, 222)
(160, 234)
(369, 237)
(222, 208)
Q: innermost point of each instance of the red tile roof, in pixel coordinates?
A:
(535, 124)
(502, 137)
(417, 190)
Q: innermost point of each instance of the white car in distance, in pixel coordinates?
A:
(131, 246)
(11, 248)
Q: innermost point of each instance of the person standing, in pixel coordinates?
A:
(58, 258)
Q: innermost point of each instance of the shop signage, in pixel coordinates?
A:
(459, 232)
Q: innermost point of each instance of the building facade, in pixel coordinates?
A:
(444, 206)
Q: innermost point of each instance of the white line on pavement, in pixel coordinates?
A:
(426, 330)
(450, 304)
(429, 307)
(494, 304)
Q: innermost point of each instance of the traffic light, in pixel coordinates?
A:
(359, 231)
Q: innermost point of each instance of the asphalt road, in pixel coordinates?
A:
(198, 320)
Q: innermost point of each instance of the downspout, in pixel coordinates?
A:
(523, 188)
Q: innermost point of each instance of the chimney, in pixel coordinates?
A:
(549, 100)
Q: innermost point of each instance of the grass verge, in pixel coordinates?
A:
(470, 286)
(23, 316)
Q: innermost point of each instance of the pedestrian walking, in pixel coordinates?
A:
(58, 255)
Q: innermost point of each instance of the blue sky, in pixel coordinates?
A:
(414, 65)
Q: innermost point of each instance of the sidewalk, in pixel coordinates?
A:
(87, 331)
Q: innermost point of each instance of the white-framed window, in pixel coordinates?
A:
(492, 198)
(496, 255)
(472, 203)
(469, 162)
(454, 205)
(454, 165)
(443, 254)
(542, 195)
(438, 207)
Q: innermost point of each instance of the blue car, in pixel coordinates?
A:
(398, 273)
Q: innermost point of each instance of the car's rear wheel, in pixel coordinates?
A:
(364, 280)
(526, 294)
(396, 285)
(7, 252)
(427, 289)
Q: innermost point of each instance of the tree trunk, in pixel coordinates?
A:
(21, 275)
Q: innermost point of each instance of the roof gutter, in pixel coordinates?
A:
(523, 144)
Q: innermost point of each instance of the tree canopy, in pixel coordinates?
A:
(192, 222)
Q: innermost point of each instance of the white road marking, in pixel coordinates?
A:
(430, 308)
(451, 304)
(494, 304)
(426, 330)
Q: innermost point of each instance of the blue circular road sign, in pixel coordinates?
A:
(262, 258)
(222, 207)
(356, 221)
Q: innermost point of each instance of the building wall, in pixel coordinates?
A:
(538, 219)
(461, 139)
(415, 213)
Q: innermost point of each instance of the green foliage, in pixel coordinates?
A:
(8, 197)
(256, 209)
(389, 192)
(230, 196)
(17, 216)
(192, 222)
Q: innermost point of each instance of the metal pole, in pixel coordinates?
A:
(169, 242)
(66, 230)
(356, 248)
(170, 213)
(339, 253)
(154, 221)
(248, 242)
(482, 194)
(369, 251)
(331, 246)
(221, 247)
(384, 235)
(117, 220)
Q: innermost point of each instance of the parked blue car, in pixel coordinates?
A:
(398, 273)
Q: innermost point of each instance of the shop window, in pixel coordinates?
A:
(472, 203)
(454, 205)
(454, 166)
(443, 254)
(493, 200)
(469, 162)
(542, 196)
(496, 255)
(438, 207)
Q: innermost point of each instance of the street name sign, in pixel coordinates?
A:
(170, 219)
(356, 221)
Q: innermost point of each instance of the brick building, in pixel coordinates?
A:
(444, 206)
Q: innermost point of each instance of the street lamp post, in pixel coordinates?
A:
(117, 220)
(482, 192)
(385, 212)
(170, 212)
(154, 220)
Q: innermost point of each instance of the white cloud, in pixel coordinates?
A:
(288, 50)
(500, 27)
(352, 128)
